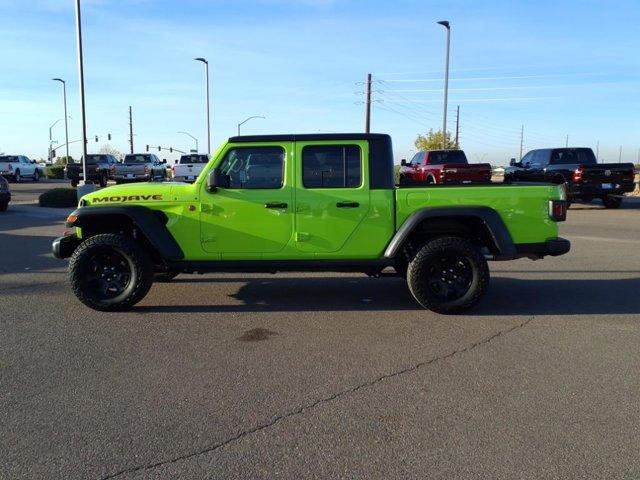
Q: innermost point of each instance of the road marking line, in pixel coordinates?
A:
(603, 239)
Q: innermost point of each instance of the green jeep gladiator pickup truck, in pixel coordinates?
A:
(323, 202)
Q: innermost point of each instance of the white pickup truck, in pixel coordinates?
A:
(17, 167)
(189, 167)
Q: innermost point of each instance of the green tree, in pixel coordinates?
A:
(433, 141)
(63, 160)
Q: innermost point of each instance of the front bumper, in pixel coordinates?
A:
(63, 247)
(554, 247)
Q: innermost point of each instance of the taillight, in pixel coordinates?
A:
(97, 169)
(577, 174)
(113, 168)
(146, 169)
(173, 169)
(558, 210)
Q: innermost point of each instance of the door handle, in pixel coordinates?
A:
(347, 204)
(275, 205)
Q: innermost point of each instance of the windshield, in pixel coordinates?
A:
(137, 159)
(580, 156)
(456, 157)
(193, 159)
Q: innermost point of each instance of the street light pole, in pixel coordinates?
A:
(206, 68)
(445, 24)
(66, 126)
(187, 133)
(246, 120)
(81, 85)
(51, 138)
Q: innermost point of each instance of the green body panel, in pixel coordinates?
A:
(234, 223)
(524, 209)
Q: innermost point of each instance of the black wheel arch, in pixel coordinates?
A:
(135, 219)
(483, 223)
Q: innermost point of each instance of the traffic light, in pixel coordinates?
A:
(96, 138)
(159, 148)
(170, 149)
(147, 148)
(53, 153)
(108, 136)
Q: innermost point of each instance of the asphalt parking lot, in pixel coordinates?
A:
(323, 376)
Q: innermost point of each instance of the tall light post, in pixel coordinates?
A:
(187, 133)
(51, 138)
(206, 69)
(81, 190)
(246, 120)
(445, 24)
(66, 126)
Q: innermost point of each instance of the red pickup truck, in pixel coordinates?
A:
(443, 166)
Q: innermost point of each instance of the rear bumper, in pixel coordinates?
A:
(554, 247)
(134, 177)
(63, 247)
(596, 190)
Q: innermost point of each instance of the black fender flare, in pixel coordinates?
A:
(496, 227)
(151, 223)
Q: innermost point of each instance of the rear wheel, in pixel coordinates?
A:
(17, 177)
(612, 202)
(103, 180)
(110, 272)
(431, 180)
(448, 275)
(74, 183)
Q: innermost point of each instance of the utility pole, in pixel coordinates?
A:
(446, 25)
(367, 107)
(597, 150)
(566, 141)
(620, 155)
(130, 130)
(66, 126)
(458, 127)
(521, 140)
(206, 76)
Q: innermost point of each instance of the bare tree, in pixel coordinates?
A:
(109, 150)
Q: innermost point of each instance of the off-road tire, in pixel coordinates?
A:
(430, 255)
(612, 202)
(139, 263)
(165, 277)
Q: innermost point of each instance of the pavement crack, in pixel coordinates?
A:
(324, 400)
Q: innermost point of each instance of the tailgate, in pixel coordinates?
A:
(480, 172)
(607, 173)
(125, 169)
(188, 170)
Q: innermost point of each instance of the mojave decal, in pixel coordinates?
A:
(126, 198)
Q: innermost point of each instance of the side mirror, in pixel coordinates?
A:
(403, 162)
(164, 160)
(513, 162)
(175, 161)
(217, 179)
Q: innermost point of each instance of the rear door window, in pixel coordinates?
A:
(331, 166)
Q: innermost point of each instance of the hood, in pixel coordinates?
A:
(142, 194)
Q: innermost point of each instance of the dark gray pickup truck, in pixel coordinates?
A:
(578, 168)
(139, 167)
(99, 165)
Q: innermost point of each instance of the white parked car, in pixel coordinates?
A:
(17, 167)
(189, 167)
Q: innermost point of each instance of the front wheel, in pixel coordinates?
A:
(110, 272)
(612, 202)
(36, 175)
(448, 275)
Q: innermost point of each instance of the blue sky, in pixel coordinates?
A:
(558, 67)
